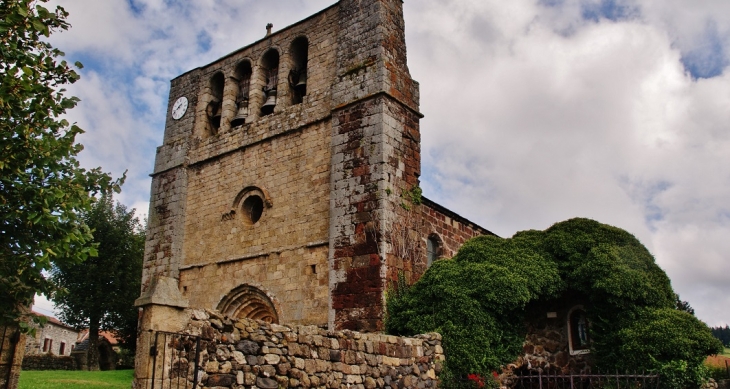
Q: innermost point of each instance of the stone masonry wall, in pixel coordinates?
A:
(49, 362)
(375, 153)
(253, 354)
(285, 252)
(451, 229)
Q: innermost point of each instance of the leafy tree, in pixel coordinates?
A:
(684, 306)
(42, 186)
(478, 301)
(723, 334)
(99, 294)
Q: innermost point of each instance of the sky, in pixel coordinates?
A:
(536, 111)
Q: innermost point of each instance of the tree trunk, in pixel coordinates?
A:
(92, 358)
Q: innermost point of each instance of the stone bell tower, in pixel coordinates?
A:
(284, 170)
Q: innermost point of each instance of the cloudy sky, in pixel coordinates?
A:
(536, 111)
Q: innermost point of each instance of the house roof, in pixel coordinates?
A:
(54, 321)
(84, 337)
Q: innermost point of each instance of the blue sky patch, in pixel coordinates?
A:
(204, 41)
(552, 3)
(708, 59)
(645, 193)
(137, 9)
(607, 9)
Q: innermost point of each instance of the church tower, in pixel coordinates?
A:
(286, 187)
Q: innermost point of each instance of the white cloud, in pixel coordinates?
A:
(532, 125)
(534, 114)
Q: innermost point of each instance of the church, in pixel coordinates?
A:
(287, 185)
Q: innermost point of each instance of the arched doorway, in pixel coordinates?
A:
(248, 302)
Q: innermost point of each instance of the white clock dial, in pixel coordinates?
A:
(178, 110)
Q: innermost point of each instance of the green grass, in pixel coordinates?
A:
(59, 379)
(726, 353)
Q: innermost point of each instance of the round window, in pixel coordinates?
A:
(253, 207)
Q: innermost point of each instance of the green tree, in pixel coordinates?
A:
(478, 301)
(723, 334)
(42, 186)
(99, 293)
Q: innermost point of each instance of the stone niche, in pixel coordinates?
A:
(558, 339)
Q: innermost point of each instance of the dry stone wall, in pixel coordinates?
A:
(254, 354)
(49, 362)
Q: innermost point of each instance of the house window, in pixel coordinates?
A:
(433, 249)
(579, 331)
(47, 344)
(62, 350)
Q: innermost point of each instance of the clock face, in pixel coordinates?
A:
(181, 105)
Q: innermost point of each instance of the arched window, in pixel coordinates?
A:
(298, 73)
(214, 109)
(243, 79)
(433, 249)
(579, 331)
(252, 202)
(270, 65)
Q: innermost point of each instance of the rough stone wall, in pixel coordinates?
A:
(428, 220)
(253, 354)
(58, 334)
(49, 362)
(451, 229)
(375, 156)
(166, 216)
(285, 252)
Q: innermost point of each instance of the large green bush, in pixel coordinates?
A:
(477, 301)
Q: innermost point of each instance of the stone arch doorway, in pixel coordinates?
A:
(248, 302)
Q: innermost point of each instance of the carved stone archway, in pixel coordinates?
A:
(248, 302)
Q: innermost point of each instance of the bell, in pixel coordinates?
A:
(270, 103)
(301, 85)
(240, 118)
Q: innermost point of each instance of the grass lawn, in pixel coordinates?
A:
(59, 379)
(726, 353)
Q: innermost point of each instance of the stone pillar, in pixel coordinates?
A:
(162, 308)
(12, 350)
(375, 158)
